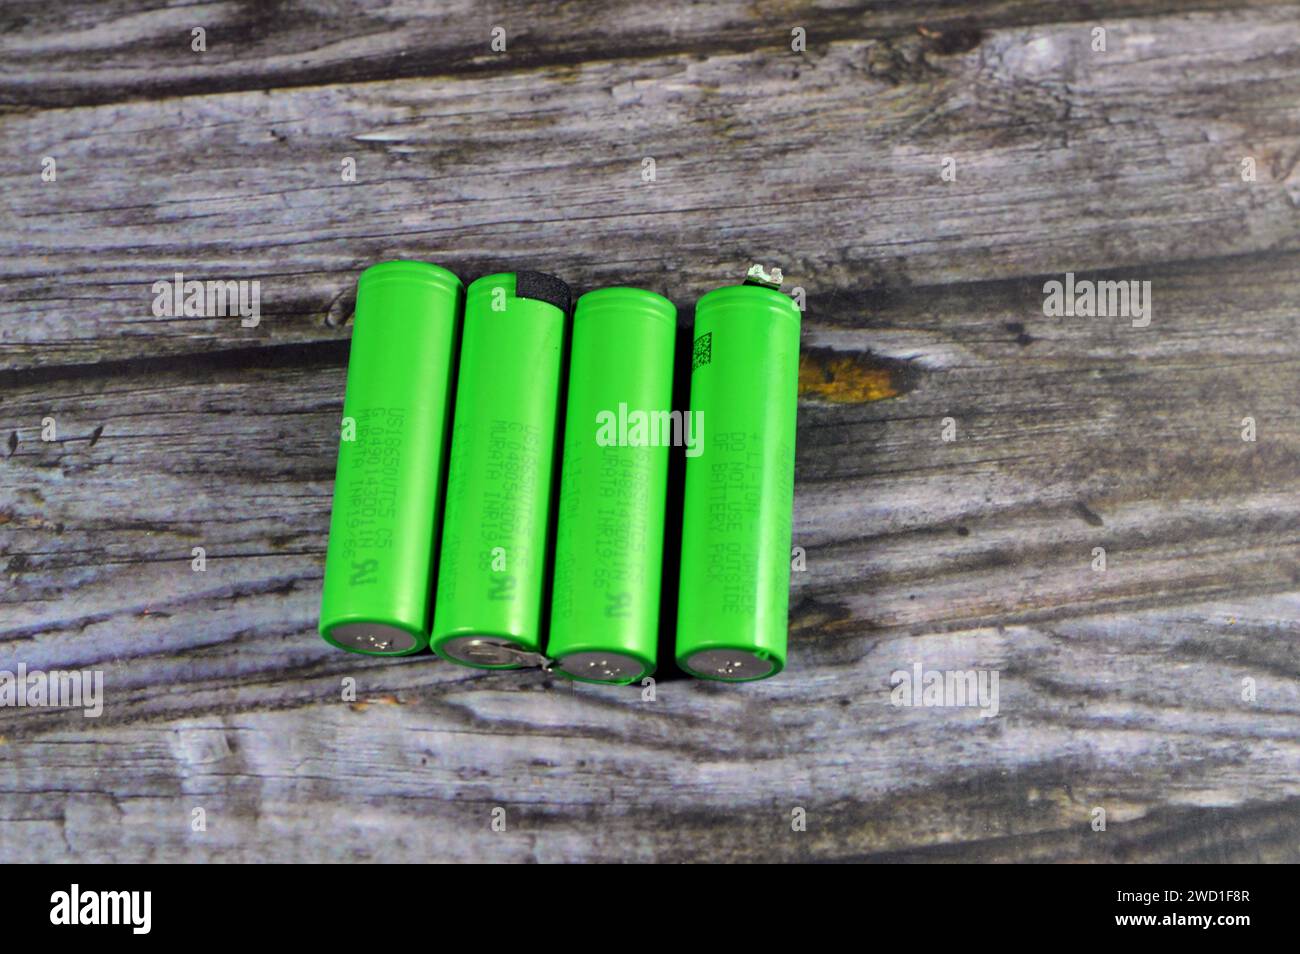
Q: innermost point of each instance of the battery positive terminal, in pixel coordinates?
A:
(758, 275)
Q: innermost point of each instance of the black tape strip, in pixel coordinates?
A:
(542, 287)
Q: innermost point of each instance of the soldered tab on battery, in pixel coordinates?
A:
(758, 275)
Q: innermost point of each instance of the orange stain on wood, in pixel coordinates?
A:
(846, 377)
(365, 704)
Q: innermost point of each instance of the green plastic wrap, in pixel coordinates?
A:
(493, 558)
(617, 434)
(376, 594)
(733, 597)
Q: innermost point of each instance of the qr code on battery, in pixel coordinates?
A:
(703, 351)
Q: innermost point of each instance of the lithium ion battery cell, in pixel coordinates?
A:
(375, 598)
(733, 598)
(609, 539)
(491, 569)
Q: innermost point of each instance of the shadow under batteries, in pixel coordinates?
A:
(672, 555)
(557, 462)
(444, 467)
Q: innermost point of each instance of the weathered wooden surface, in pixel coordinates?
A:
(104, 51)
(829, 162)
(1120, 689)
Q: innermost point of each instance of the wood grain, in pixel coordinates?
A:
(1139, 715)
(1128, 689)
(974, 554)
(830, 164)
(105, 51)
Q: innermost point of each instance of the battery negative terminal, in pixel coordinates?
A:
(758, 275)
(618, 668)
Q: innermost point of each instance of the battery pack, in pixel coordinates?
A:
(617, 434)
(375, 598)
(733, 597)
(493, 557)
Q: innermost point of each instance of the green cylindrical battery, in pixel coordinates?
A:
(488, 600)
(736, 513)
(378, 576)
(609, 540)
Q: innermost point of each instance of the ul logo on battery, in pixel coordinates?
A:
(501, 588)
(617, 605)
